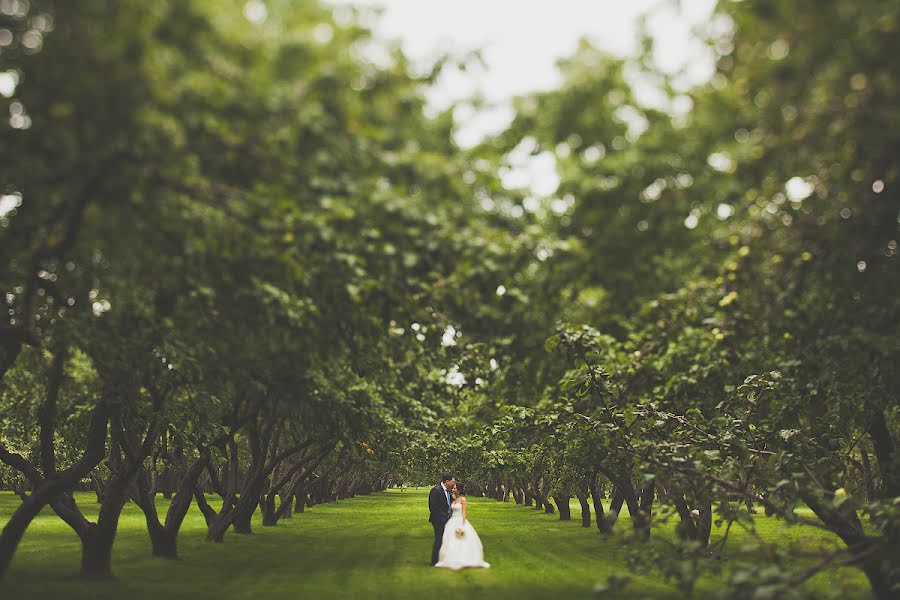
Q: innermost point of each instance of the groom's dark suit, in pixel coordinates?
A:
(439, 514)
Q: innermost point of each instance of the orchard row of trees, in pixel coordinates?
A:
(240, 261)
(714, 332)
(223, 235)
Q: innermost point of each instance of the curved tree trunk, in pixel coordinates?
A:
(46, 491)
(562, 505)
(687, 529)
(98, 539)
(22, 518)
(641, 521)
(597, 497)
(704, 523)
(163, 537)
(163, 541)
(615, 506)
(585, 509)
(300, 500)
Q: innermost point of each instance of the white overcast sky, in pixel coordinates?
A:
(522, 40)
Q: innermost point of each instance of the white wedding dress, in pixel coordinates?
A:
(460, 552)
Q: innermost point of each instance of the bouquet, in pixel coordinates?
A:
(460, 532)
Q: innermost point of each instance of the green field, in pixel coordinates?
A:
(370, 547)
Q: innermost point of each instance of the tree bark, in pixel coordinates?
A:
(562, 505)
(97, 541)
(47, 490)
(597, 496)
(163, 537)
(687, 529)
(868, 482)
(22, 518)
(886, 455)
(846, 524)
(163, 541)
(243, 518)
(641, 520)
(585, 509)
(295, 480)
(615, 506)
(300, 498)
(704, 523)
(9, 352)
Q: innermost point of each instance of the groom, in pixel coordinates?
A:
(439, 509)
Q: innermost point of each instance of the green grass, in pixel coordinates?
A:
(369, 547)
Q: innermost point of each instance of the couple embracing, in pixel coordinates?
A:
(456, 545)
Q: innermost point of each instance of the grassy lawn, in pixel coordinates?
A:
(370, 547)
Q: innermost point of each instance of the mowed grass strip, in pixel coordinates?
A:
(371, 547)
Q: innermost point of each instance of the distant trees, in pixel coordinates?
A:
(238, 260)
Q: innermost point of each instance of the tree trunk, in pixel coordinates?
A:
(97, 542)
(300, 500)
(585, 509)
(8, 354)
(868, 483)
(286, 508)
(597, 496)
(167, 483)
(269, 514)
(704, 523)
(99, 490)
(845, 523)
(641, 521)
(163, 538)
(687, 529)
(886, 455)
(243, 518)
(562, 505)
(47, 490)
(217, 528)
(21, 488)
(615, 506)
(164, 541)
(22, 518)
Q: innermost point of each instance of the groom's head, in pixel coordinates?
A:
(448, 480)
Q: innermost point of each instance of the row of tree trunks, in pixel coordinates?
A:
(292, 481)
(241, 492)
(131, 443)
(592, 490)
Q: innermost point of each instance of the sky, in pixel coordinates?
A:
(521, 41)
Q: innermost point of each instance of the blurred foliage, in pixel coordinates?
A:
(243, 205)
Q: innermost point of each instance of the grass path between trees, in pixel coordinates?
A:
(369, 547)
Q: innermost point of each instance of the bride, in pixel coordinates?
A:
(461, 546)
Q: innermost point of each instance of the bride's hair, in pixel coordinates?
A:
(459, 489)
